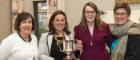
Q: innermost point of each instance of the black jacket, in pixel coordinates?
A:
(133, 48)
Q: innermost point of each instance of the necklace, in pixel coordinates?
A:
(91, 43)
(91, 38)
(25, 39)
(91, 30)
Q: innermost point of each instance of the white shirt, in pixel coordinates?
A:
(15, 48)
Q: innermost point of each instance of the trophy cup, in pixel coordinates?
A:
(60, 42)
(69, 48)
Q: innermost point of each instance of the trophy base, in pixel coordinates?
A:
(68, 58)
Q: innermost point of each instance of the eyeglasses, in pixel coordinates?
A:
(89, 12)
(120, 14)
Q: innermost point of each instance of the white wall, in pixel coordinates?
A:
(135, 6)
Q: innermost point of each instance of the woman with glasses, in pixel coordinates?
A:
(92, 34)
(126, 44)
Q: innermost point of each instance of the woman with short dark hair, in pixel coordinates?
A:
(126, 45)
(22, 44)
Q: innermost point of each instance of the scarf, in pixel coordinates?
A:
(122, 32)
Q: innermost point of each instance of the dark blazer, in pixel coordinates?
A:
(133, 48)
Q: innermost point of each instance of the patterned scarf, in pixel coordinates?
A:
(122, 33)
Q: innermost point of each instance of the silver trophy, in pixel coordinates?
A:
(69, 48)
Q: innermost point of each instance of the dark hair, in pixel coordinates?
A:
(123, 5)
(98, 20)
(23, 16)
(51, 27)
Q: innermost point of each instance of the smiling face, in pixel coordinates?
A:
(90, 14)
(59, 22)
(26, 26)
(121, 16)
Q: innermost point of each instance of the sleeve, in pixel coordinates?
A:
(43, 50)
(77, 52)
(4, 49)
(110, 37)
(76, 33)
(34, 38)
